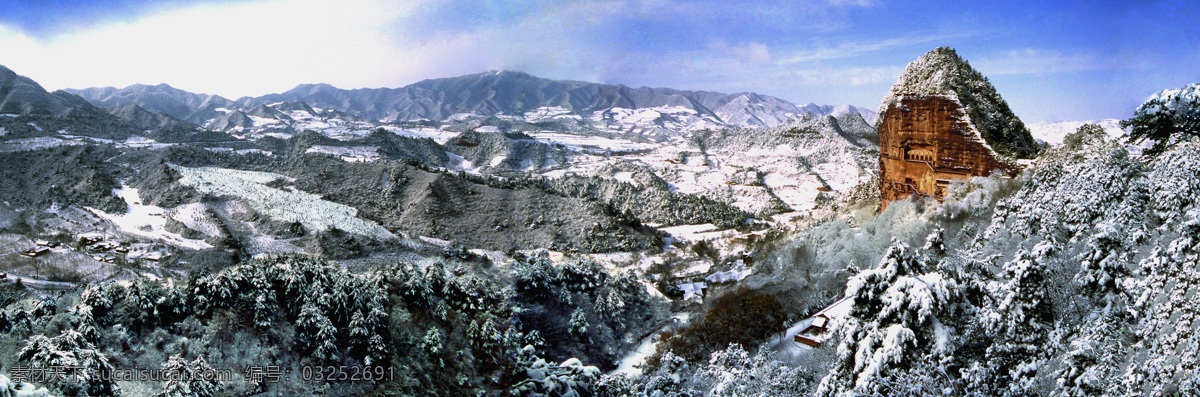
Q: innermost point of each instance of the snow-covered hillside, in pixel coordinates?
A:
(564, 229)
(1070, 280)
(286, 205)
(766, 171)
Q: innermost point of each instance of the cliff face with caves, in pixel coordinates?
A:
(942, 121)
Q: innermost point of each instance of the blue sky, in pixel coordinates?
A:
(1052, 61)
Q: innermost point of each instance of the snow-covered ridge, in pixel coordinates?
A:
(504, 96)
(545, 113)
(1054, 132)
(309, 209)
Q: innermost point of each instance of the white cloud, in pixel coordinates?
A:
(749, 52)
(753, 52)
(232, 50)
(270, 46)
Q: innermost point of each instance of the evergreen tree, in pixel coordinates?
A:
(1168, 117)
(21, 321)
(308, 325)
(138, 307)
(893, 325)
(1019, 327)
(184, 379)
(358, 336)
(264, 304)
(71, 350)
(578, 325)
(569, 379)
(326, 340)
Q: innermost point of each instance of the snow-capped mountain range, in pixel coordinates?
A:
(1053, 132)
(752, 153)
(511, 96)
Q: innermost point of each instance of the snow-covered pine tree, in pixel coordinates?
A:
(1018, 328)
(375, 318)
(1174, 182)
(21, 321)
(1172, 274)
(935, 245)
(99, 298)
(307, 324)
(1167, 118)
(171, 304)
(326, 340)
(138, 308)
(1085, 135)
(46, 307)
(893, 324)
(578, 325)
(264, 303)
(542, 379)
(735, 372)
(357, 335)
(72, 351)
(1102, 269)
(184, 379)
(85, 322)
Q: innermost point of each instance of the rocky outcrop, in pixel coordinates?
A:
(943, 121)
(942, 72)
(924, 144)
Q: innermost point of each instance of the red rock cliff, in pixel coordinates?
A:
(925, 143)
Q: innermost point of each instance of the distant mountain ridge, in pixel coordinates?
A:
(21, 95)
(162, 98)
(489, 94)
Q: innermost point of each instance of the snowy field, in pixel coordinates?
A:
(195, 217)
(672, 118)
(146, 221)
(237, 151)
(691, 233)
(546, 113)
(143, 142)
(24, 144)
(437, 134)
(348, 153)
(287, 206)
(581, 142)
